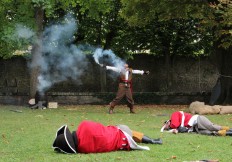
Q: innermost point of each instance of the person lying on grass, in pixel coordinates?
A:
(181, 122)
(94, 137)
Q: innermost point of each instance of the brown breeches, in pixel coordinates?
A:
(123, 91)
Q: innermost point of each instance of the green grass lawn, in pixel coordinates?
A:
(28, 135)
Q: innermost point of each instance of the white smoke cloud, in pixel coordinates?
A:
(59, 59)
(23, 32)
(109, 57)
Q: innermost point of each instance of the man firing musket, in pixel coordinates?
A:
(125, 85)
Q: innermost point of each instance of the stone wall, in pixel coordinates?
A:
(14, 77)
(189, 79)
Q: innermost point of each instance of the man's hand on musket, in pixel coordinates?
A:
(147, 72)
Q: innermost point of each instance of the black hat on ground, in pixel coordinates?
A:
(64, 141)
(165, 126)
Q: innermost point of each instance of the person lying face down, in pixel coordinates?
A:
(94, 137)
(181, 122)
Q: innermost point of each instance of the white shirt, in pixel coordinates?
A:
(193, 120)
(141, 72)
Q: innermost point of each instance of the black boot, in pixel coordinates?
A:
(146, 139)
(229, 133)
(230, 130)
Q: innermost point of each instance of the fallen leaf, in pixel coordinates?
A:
(173, 157)
(119, 158)
(4, 138)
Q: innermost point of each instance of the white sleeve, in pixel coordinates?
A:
(113, 68)
(138, 72)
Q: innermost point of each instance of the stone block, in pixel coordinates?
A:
(52, 105)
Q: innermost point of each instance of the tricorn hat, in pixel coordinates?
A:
(64, 141)
(163, 127)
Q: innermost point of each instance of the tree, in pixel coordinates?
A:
(102, 23)
(214, 15)
(36, 14)
(11, 18)
(222, 53)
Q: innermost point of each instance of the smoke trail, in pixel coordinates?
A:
(58, 59)
(109, 57)
(23, 32)
(61, 60)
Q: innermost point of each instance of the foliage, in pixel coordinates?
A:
(223, 22)
(144, 11)
(214, 16)
(101, 24)
(181, 37)
(13, 14)
(28, 136)
(95, 9)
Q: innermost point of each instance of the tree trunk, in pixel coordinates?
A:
(102, 70)
(223, 58)
(36, 52)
